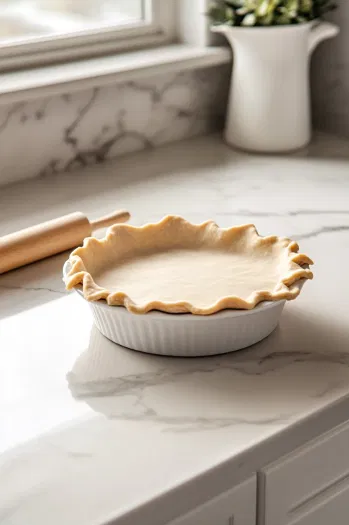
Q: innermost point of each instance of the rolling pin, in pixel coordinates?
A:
(51, 237)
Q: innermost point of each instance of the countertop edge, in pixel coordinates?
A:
(231, 472)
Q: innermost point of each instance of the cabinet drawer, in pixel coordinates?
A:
(308, 479)
(234, 507)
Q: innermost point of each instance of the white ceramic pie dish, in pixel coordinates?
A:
(185, 334)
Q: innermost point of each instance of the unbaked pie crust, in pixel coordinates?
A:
(177, 267)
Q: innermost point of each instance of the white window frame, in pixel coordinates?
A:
(157, 28)
(180, 40)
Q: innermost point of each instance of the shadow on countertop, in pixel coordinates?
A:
(302, 363)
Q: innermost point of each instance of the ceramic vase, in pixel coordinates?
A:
(269, 104)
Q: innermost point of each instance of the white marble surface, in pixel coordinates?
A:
(62, 133)
(90, 431)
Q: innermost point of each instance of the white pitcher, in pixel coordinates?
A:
(269, 104)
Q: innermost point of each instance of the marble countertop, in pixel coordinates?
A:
(93, 433)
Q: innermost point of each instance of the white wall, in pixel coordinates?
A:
(330, 77)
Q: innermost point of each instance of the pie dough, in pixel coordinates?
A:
(176, 267)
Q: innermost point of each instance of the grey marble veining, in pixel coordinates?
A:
(74, 130)
(98, 380)
(89, 430)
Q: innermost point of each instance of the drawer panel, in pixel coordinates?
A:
(333, 509)
(306, 477)
(234, 507)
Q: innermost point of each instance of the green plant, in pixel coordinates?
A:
(267, 12)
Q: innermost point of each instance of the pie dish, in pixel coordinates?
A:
(178, 267)
(238, 320)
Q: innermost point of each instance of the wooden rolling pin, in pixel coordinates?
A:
(51, 237)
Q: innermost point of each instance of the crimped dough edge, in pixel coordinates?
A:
(287, 288)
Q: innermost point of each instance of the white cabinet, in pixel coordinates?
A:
(234, 507)
(310, 486)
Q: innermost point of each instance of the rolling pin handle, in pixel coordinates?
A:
(109, 220)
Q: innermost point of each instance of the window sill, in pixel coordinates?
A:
(29, 84)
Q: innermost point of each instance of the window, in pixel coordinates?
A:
(22, 19)
(42, 31)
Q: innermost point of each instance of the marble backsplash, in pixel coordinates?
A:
(63, 132)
